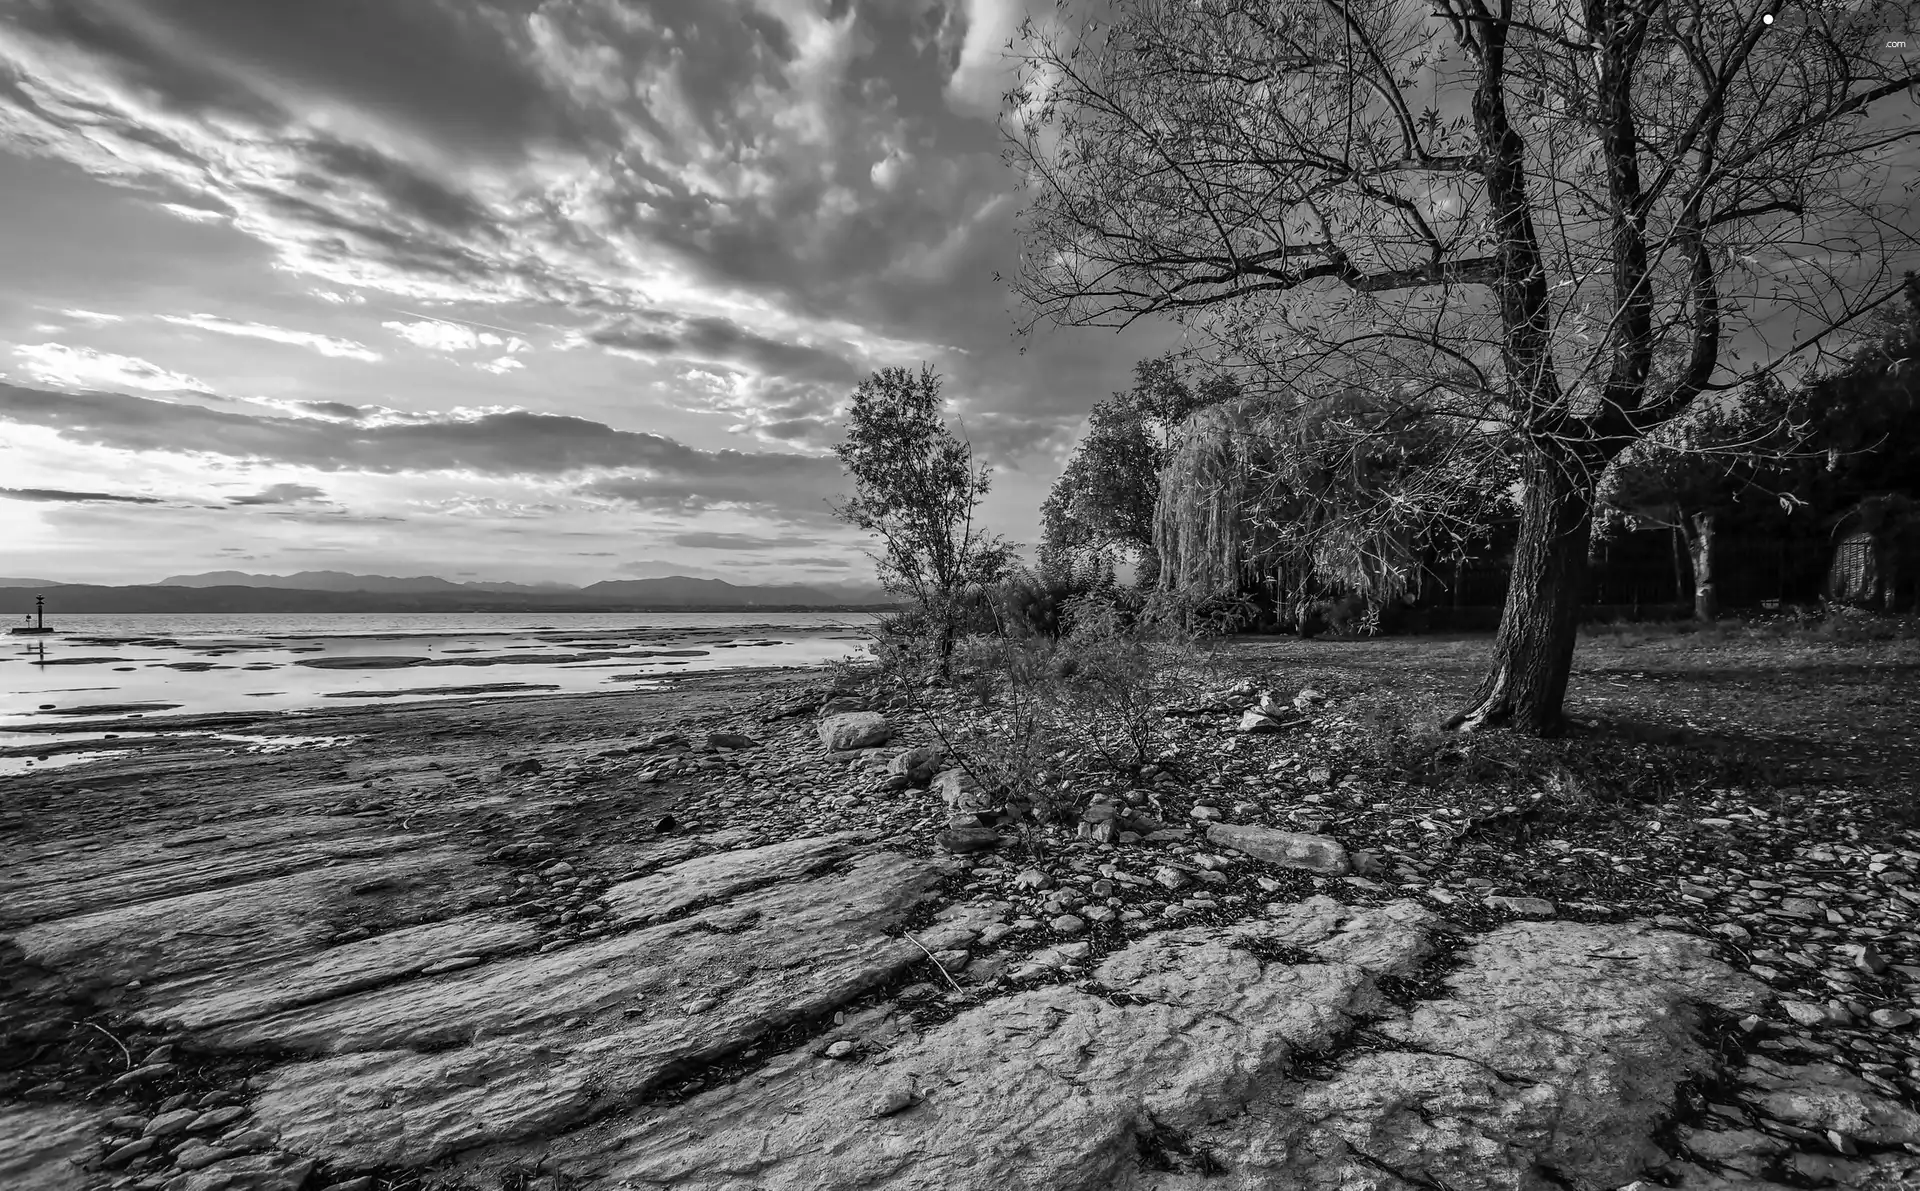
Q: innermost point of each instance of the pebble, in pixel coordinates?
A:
(1525, 907)
(142, 1074)
(1891, 1019)
(196, 1154)
(1803, 1013)
(131, 1150)
(169, 1123)
(1068, 924)
(216, 1118)
(1033, 878)
(1168, 877)
(840, 1050)
(1866, 958)
(891, 1102)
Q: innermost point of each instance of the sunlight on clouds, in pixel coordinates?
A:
(983, 74)
(194, 214)
(83, 367)
(443, 336)
(326, 345)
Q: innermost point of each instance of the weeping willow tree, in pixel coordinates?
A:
(1346, 494)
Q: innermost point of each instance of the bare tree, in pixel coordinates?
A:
(1565, 227)
(916, 488)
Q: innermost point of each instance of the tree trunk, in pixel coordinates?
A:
(1533, 652)
(1679, 563)
(1706, 605)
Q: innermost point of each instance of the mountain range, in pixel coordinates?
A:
(337, 591)
(342, 581)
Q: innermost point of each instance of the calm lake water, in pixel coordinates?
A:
(97, 666)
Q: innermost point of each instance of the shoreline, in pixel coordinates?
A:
(617, 938)
(302, 721)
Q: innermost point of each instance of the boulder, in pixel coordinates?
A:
(961, 795)
(1289, 849)
(918, 764)
(855, 730)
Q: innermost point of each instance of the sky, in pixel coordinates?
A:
(530, 290)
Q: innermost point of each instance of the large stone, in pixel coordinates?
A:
(918, 764)
(1822, 1096)
(531, 1044)
(855, 730)
(961, 795)
(44, 1146)
(1557, 1047)
(1289, 849)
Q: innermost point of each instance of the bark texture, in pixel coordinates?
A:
(1706, 603)
(1533, 652)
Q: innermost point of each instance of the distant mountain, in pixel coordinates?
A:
(670, 594)
(29, 583)
(342, 581)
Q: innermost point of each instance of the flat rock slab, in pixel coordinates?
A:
(1201, 1064)
(530, 1044)
(41, 1146)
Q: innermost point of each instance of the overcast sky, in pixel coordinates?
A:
(511, 289)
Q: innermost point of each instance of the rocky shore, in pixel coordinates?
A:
(677, 939)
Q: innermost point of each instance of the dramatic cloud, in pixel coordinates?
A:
(702, 219)
(58, 364)
(326, 345)
(715, 340)
(657, 471)
(281, 494)
(53, 495)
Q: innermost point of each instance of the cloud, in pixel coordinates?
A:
(444, 335)
(736, 541)
(716, 340)
(58, 364)
(804, 561)
(61, 495)
(634, 467)
(281, 494)
(983, 73)
(194, 214)
(501, 366)
(333, 409)
(326, 345)
(92, 316)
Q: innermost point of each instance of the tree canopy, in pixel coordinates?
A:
(1561, 230)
